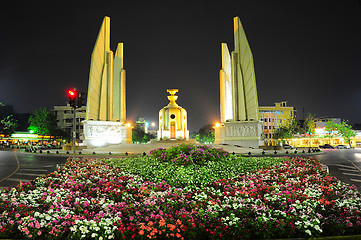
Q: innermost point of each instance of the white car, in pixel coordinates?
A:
(342, 146)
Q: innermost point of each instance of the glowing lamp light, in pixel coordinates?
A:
(320, 131)
(71, 93)
(218, 125)
(128, 125)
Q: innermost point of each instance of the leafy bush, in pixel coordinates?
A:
(186, 154)
(191, 175)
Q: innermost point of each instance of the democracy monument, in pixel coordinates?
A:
(105, 122)
(240, 123)
(172, 120)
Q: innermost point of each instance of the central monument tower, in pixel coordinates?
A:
(106, 104)
(173, 120)
(238, 94)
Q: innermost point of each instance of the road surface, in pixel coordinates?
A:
(344, 164)
(16, 166)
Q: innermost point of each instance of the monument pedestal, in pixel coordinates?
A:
(104, 133)
(241, 133)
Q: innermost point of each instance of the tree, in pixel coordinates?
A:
(310, 124)
(287, 129)
(43, 122)
(206, 134)
(342, 129)
(345, 130)
(331, 129)
(282, 132)
(139, 136)
(7, 124)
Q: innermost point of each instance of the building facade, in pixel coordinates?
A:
(273, 117)
(65, 115)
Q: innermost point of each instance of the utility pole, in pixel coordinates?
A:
(75, 101)
(74, 131)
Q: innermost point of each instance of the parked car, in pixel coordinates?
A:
(42, 147)
(326, 146)
(286, 146)
(342, 146)
(51, 146)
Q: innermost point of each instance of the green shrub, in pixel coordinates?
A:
(152, 169)
(188, 154)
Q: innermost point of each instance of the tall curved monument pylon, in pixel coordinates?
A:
(106, 103)
(238, 94)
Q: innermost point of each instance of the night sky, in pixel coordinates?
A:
(305, 52)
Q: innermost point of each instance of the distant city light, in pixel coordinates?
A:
(23, 135)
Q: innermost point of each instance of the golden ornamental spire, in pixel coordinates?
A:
(172, 98)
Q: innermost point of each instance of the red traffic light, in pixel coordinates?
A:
(72, 93)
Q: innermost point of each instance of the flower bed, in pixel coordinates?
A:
(89, 199)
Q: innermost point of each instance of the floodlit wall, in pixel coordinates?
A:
(119, 112)
(226, 85)
(238, 92)
(243, 64)
(98, 71)
(106, 90)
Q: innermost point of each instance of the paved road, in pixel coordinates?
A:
(16, 167)
(345, 164)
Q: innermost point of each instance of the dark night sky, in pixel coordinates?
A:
(306, 52)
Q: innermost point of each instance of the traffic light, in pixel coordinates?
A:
(81, 99)
(73, 97)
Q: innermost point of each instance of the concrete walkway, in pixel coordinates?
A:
(140, 148)
(135, 149)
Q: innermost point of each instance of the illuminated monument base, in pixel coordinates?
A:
(241, 133)
(172, 120)
(104, 133)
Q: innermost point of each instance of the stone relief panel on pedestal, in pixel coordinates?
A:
(105, 131)
(241, 131)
